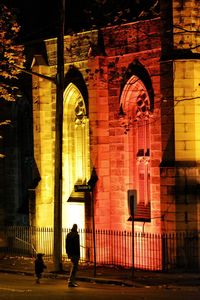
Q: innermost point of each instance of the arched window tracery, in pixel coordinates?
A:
(76, 158)
(135, 104)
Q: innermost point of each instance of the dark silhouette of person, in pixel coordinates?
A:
(73, 253)
(39, 267)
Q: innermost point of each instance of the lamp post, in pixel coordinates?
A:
(59, 81)
(92, 183)
(93, 230)
(57, 251)
(132, 207)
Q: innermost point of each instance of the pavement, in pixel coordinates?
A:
(104, 274)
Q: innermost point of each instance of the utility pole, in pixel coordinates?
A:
(57, 251)
(59, 81)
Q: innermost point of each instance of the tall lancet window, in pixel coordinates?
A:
(135, 105)
(76, 156)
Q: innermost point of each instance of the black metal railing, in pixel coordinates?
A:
(164, 252)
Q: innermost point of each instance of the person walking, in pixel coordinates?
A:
(73, 253)
(39, 266)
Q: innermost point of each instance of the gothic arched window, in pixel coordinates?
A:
(135, 104)
(76, 158)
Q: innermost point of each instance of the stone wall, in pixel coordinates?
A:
(106, 59)
(180, 114)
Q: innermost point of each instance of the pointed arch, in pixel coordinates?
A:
(136, 68)
(135, 104)
(74, 76)
(76, 158)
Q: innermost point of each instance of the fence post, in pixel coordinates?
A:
(93, 230)
(133, 242)
(165, 252)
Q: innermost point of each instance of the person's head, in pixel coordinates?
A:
(74, 227)
(40, 255)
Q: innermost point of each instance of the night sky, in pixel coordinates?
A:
(36, 19)
(39, 18)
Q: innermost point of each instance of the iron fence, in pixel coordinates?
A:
(164, 252)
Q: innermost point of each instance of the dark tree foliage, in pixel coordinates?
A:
(99, 13)
(11, 53)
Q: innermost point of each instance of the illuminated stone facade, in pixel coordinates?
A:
(148, 145)
(131, 111)
(180, 129)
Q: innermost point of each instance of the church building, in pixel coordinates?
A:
(131, 115)
(131, 125)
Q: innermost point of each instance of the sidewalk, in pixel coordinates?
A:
(108, 275)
